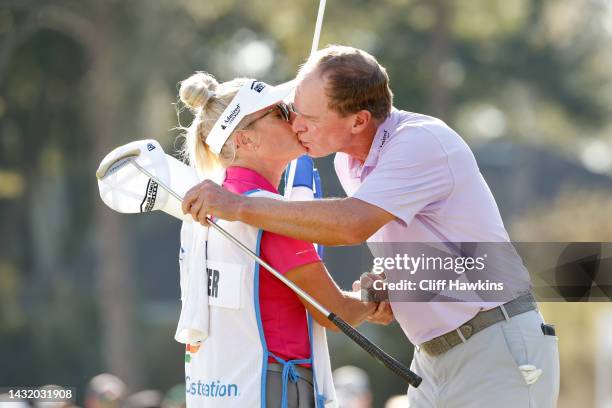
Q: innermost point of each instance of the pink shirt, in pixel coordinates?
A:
(283, 316)
(421, 171)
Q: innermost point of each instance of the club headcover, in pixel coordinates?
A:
(125, 189)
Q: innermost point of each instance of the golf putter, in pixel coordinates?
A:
(380, 355)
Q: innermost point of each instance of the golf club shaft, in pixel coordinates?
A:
(229, 236)
(315, 46)
(318, 25)
(372, 349)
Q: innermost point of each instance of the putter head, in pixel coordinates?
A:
(109, 167)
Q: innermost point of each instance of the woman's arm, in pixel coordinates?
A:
(314, 279)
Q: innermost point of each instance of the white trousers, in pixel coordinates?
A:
(484, 371)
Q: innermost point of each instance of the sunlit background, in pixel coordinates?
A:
(84, 290)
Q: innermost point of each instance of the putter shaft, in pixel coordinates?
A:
(229, 236)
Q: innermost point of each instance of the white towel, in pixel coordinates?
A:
(193, 323)
(194, 320)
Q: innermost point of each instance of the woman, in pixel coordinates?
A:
(264, 351)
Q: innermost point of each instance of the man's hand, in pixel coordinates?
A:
(365, 285)
(383, 314)
(209, 198)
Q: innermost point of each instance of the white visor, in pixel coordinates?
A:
(126, 189)
(252, 97)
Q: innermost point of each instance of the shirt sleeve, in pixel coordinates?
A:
(284, 253)
(412, 174)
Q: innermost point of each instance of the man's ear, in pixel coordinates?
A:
(244, 140)
(361, 121)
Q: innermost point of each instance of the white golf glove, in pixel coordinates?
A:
(125, 189)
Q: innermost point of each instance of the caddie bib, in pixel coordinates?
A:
(229, 368)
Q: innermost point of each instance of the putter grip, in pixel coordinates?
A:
(376, 352)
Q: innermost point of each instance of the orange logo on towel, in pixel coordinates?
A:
(191, 349)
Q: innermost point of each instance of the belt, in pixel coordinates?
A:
(441, 344)
(303, 372)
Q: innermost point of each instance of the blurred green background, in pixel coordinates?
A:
(84, 290)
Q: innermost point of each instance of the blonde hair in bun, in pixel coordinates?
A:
(197, 90)
(207, 99)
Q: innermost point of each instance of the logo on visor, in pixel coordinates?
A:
(258, 86)
(230, 118)
(150, 146)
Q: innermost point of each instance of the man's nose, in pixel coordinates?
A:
(297, 123)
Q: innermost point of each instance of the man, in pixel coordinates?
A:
(105, 391)
(352, 387)
(409, 178)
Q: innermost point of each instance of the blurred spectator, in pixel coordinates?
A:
(352, 387)
(397, 401)
(175, 397)
(67, 403)
(144, 399)
(105, 391)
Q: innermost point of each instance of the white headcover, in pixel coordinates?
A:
(252, 97)
(126, 189)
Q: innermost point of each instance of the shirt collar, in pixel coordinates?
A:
(381, 137)
(249, 176)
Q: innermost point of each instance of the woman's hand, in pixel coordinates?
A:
(209, 198)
